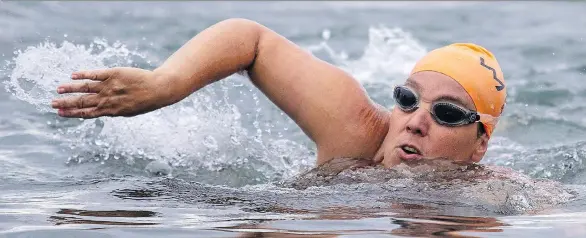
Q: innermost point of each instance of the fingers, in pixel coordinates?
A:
(86, 87)
(86, 113)
(96, 75)
(79, 102)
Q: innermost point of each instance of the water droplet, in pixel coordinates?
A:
(553, 53)
(210, 142)
(325, 34)
(237, 84)
(158, 168)
(234, 140)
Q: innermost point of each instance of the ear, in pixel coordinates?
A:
(480, 148)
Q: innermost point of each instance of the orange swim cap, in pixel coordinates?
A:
(479, 73)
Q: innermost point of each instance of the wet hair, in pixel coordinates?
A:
(481, 130)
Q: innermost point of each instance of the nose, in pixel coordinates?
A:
(419, 122)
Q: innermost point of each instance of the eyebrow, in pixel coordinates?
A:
(415, 85)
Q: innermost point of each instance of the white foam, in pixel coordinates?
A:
(388, 57)
(204, 130)
(38, 70)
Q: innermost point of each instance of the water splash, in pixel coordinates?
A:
(503, 151)
(388, 57)
(205, 133)
(38, 70)
(498, 189)
(386, 61)
(565, 163)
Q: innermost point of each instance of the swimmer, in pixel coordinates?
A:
(447, 109)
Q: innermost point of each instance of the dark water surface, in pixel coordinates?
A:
(226, 162)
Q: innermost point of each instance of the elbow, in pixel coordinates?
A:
(243, 25)
(251, 30)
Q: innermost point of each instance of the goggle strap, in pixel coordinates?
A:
(489, 119)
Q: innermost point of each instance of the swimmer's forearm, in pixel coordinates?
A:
(215, 53)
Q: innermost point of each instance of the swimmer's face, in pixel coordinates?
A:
(418, 129)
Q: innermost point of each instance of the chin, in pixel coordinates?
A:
(391, 159)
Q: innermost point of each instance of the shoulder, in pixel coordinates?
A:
(362, 136)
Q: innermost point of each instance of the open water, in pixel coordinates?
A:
(225, 162)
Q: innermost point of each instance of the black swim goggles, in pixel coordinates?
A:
(443, 112)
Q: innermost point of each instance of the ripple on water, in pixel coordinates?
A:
(443, 190)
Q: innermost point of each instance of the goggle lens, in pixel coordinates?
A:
(405, 98)
(448, 113)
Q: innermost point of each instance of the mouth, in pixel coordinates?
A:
(409, 152)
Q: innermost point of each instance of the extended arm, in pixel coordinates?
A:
(328, 104)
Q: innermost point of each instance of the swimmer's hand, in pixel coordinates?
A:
(112, 92)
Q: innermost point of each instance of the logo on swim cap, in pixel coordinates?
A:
(499, 87)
